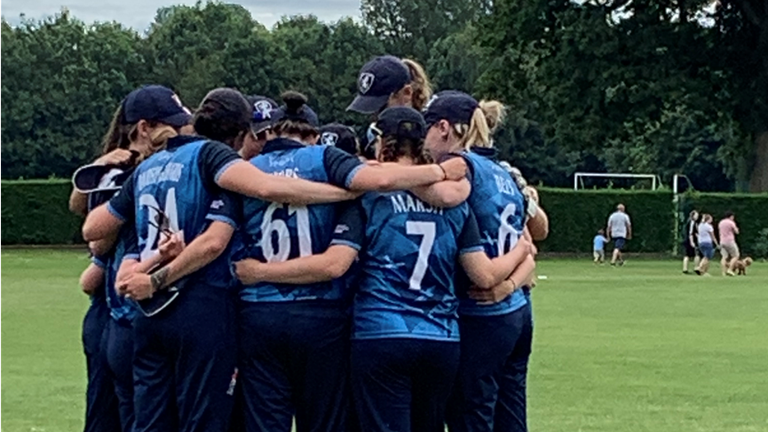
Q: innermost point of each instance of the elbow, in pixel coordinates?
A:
(335, 269)
(90, 233)
(484, 282)
(214, 247)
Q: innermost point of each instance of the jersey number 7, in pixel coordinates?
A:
(427, 232)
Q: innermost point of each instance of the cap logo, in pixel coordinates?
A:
(329, 138)
(365, 82)
(262, 110)
(432, 99)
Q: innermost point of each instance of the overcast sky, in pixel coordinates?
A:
(139, 13)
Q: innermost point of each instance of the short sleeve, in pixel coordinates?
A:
(122, 204)
(226, 207)
(340, 166)
(214, 158)
(350, 226)
(469, 240)
(131, 241)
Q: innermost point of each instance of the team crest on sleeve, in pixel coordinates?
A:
(365, 81)
(217, 204)
(329, 138)
(263, 109)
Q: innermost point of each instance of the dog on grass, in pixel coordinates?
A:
(741, 266)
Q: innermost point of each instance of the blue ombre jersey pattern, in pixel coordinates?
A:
(120, 309)
(499, 207)
(408, 266)
(275, 232)
(177, 182)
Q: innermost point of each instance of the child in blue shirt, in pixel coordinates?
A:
(598, 247)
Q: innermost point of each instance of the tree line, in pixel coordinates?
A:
(644, 86)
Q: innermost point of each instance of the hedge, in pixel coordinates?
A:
(751, 213)
(575, 218)
(36, 212)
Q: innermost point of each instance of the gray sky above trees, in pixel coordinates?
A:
(139, 13)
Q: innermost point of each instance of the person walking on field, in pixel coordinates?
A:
(691, 242)
(728, 247)
(620, 230)
(707, 244)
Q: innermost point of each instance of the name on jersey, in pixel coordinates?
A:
(170, 172)
(505, 185)
(288, 172)
(403, 203)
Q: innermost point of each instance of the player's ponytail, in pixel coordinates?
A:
(295, 118)
(485, 120)
(420, 85)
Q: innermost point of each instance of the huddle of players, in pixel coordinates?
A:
(346, 295)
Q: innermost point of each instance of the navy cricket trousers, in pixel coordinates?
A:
(101, 406)
(294, 359)
(402, 385)
(184, 363)
(117, 347)
(490, 391)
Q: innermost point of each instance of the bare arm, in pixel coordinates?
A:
(487, 273)
(444, 194)
(539, 225)
(201, 251)
(395, 177)
(329, 265)
(100, 224)
(246, 179)
(519, 277)
(91, 279)
(78, 203)
(103, 246)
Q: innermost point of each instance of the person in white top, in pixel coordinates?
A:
(620, 230)
(707, 244)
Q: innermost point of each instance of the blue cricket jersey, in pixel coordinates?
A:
(407, 265)
(276, 232)
(179, 182)
(499, 207)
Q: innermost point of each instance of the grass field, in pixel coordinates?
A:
(639, 348)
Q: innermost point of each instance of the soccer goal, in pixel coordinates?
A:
(579, 179)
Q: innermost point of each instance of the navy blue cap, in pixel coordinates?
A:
(454, 106)
(262, 112)
(305, 114)
(402, 122)
(229, 103)
(341, 136)
(378, 80)
(155, 103)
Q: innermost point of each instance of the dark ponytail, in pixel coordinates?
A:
(118, 135)
(393, 148)
(296, 117)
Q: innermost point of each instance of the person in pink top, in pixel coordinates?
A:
(728, 247)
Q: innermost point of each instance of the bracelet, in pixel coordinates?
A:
(445, 173)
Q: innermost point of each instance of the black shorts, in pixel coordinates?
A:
(690, 251)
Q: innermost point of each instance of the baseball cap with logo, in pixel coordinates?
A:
(378, 80)
(454, 106)
(262, 112)
(341, 136)
(402, 122)
(155, 103)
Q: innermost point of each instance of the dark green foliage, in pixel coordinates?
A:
(575, 218)
(36, 212)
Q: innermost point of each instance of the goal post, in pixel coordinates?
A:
(579, 176)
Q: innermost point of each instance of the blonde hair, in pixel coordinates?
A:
(120, 135)
(422, 88)
(484, 122)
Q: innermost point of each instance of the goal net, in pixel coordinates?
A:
(586, 180)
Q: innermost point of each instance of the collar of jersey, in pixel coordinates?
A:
(488, 152)
(180, 140)
(278, 144)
